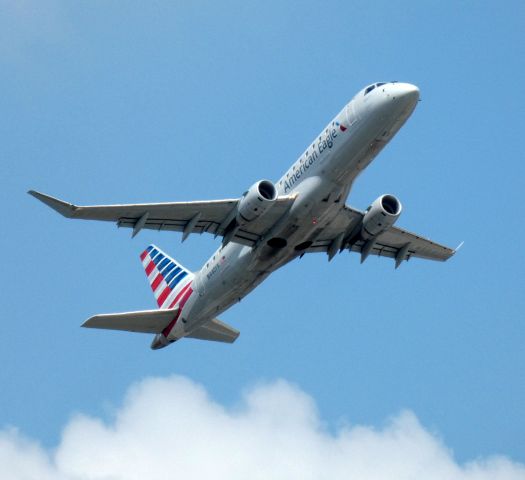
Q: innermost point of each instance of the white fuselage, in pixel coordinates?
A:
(320, 179)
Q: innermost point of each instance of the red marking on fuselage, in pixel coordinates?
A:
(186, 291)
(167, 330)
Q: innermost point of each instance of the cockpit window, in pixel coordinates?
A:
(369, 89)
(380, 84)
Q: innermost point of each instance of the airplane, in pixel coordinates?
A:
(269, 225)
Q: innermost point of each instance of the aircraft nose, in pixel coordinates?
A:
(406, 93)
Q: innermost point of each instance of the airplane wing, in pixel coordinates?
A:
(213, 216)
(394, 242)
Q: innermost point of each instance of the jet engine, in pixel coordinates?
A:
(256, 201)
(380, 216)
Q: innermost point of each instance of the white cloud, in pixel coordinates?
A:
(171, 428)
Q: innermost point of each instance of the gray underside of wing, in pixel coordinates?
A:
(391, 241)
(204, 216)
(387, 244)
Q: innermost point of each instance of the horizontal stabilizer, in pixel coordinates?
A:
(145, 321)
(216, 331)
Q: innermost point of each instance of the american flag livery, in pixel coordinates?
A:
(170, 281)
(341, 127)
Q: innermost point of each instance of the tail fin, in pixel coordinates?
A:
(166, 276)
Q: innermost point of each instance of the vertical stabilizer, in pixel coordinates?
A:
(169, 280)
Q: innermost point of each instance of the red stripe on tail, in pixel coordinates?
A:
(179, 295)
(163, 296)
(157, 281)
(150, 268)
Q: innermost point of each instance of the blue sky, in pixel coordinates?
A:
(106, 102)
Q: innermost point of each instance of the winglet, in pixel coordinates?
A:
(64, 208)
(459, 246)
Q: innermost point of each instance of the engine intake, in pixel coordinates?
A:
(380, 216)
(256, 201)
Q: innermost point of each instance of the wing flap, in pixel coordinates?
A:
(144, 321)
(216, 331)
(418, 246)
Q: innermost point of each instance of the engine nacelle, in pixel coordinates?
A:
(256, 201)
(380, 216)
